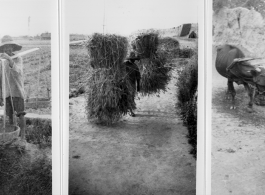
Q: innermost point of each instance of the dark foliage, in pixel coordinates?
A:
(187, 84)
(186, 53)
(39, 131)
(19, 175)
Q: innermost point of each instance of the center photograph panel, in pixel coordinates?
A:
(133, 85)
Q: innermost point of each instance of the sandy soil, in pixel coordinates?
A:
(148, 154)
(238, 143)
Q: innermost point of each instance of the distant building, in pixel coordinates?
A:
(46, 36)
(193, 35)
(37, 37)
(185, 30)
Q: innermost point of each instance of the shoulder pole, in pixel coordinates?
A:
(4, 92)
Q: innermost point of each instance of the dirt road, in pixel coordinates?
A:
(238, 144)
(148, 154)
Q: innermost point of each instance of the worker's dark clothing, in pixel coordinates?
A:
(133, 73)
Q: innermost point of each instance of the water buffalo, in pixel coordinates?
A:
(226, 55)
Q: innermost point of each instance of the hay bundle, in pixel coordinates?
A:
(154, 75)
(107, 51)
(153, 66)
(109, 96)
(169, 47)
(186, 53)
(145, 45)
(169, 42)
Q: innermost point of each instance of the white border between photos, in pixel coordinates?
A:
(201, 165)
(55, 88)
(65, 97)
(208, 93)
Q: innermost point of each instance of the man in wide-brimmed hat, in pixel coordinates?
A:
(14, 82)
(134, 75)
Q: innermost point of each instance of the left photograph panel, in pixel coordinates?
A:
(25, 97)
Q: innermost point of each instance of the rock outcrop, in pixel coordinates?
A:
(240, 27)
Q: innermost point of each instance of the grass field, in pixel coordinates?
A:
(79, 66)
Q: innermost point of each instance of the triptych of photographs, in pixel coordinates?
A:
(135, 97)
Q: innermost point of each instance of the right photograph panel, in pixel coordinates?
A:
(238, 97)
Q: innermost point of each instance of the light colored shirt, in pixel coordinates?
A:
(14, 79)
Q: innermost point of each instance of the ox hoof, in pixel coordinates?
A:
(232, 108)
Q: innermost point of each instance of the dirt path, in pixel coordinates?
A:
(238, 144)
(148, 154)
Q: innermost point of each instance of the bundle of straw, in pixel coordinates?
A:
(169, 42)
(107, 51)
(145, 44)
(154, 75)
(109, 96)
(169, 47)
(186, 53)
(154, 69)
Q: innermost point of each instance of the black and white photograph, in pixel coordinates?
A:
(238, 97)
(133, 88)
(25, 97)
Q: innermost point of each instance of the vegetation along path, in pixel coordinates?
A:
(147, 154)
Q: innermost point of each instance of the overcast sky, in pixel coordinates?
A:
(87, 16)
(126, 16)
(14, 16)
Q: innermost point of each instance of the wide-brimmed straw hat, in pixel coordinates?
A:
(8, 40)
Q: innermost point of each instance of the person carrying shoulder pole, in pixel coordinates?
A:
(14, 82)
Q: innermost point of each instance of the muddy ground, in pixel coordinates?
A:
(147, 154)
(238, 143)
